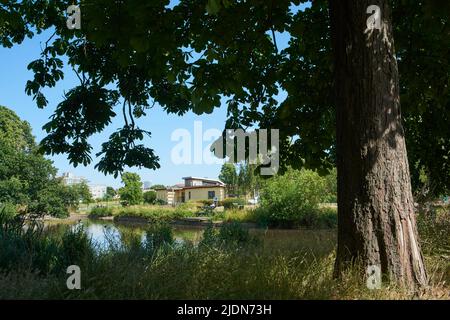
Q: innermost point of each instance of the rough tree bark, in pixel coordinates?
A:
(377, 224)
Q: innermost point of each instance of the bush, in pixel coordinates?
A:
(150, 197)
(7, 210)
(160, 202)
(292, 199)
(154, 213)
(206, 202)
(99, 212)
(230, 203)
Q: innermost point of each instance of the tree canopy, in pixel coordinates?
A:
(27, 179)
(187, 55)
(131, 192)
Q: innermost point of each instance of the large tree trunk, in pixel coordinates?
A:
(376, 211)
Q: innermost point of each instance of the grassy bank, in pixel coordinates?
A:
(322, 217)
(229, 263)
(153, 213)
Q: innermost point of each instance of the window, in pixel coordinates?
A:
(189, 195)
(211, 194)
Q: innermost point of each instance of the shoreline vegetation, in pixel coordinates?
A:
(229, 262)
(324, 217)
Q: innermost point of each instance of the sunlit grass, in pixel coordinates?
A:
(288, 264)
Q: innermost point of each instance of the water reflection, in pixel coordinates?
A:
(105, 234)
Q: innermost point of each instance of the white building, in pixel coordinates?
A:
(69, 179)
(97, 191)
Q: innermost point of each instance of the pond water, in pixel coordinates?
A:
(106, 233)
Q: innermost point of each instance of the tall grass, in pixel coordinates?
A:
(229, 263)
(152, 213)
(321, 218)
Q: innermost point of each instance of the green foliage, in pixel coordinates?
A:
(230, 203)
(150, 197)
(228, 175)
(81, 192)
(206, 202)
(331, 186)
(228, 235)
(248, 180)
(286, 266)
(15, 132)
(434, 227)
(131, 193)
(154, 213)
(158, 235)
(7, 211)
(31, 249)
(98, 212)
(51, 201)
(292, 198)
(110, 193)
(27, 179)
(160, 202)
(252, 73)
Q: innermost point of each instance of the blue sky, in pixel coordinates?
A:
(13, 66)
(14, 75)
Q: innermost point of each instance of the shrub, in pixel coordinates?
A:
(150, 197)
(98, 212)
(206, 202)
(292, 199)
(154, 213)
(230, 203)
(160, 202)
(7, 210)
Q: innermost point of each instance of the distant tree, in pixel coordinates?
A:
(54, 200)
(228, 176)
(331, 189)
(27, 179)
(110, 193)
(131, 192)
(150, 197)
(158, 186)
(81, 192)
(248, 182)
(85, 193)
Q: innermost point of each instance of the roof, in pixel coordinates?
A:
(203, 187)
(204, 179)
(175, 187)
(192, 187)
